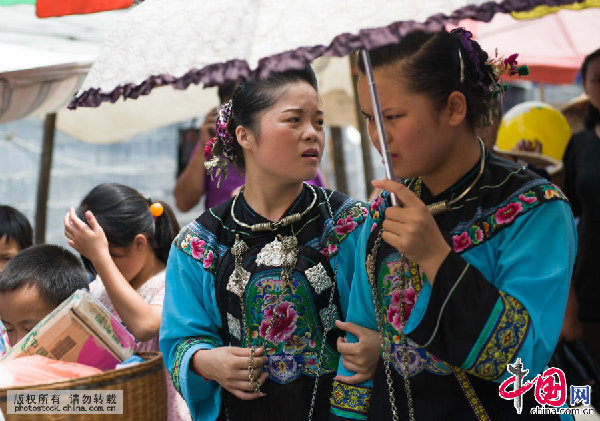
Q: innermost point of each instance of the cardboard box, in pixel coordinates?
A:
(80, 330)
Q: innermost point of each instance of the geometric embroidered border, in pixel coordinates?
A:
(350, 401)
(505, 340)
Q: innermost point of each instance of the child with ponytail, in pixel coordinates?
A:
(125, 240)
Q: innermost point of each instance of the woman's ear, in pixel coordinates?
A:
(140, 242)
(456, 107)
(244, 136)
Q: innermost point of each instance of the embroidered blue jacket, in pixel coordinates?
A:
(201, 312)
(498, 296)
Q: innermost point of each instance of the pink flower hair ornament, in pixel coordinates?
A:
(218, 152)
(504, 66)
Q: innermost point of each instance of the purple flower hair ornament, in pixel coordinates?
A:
(218, 151)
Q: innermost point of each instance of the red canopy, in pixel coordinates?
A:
(553, 46)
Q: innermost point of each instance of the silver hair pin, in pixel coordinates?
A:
(462, 67)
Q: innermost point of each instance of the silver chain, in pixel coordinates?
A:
(326, 326)
(384, 340)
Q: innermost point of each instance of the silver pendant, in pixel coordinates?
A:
(279, 253)
(238, 281)
(328, 317)
(318, 278)
(270, 254)
(240, 276)
(234, 326)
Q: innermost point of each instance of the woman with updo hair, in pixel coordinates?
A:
(470, 274)
(258, 286)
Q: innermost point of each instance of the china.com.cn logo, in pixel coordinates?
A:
(550, 389)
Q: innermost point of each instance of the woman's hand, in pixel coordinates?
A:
(360, 357)
(412, 230)
(228, 366)
(90, 240)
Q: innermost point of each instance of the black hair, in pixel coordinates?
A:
(592, 116)
(15, 226)
(123, 213)
(226, 91)
(254, 97)
(53, 270)
(430, 65)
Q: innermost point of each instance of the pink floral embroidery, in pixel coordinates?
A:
(364, 211)
(208, 259)
(393, 313)
(376, 202)
(283, 325)
(461, 241)
(373, 226)
(478, 235)
(209, 147)
(527, 199)
(345, 225)
(197, 246)
(508, 213)
(329, 250)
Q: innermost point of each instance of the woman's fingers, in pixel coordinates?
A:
(355, 379)
(349, 365)
(92, 220)
(246, 396)
(403, 193)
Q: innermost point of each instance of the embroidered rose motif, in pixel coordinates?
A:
(208, 259)
(329, 250)
(283, 324)
(364, 212)
(345, 225)
(393, 313)
(376, 202)
(527, 199)
(197, 247)
(461, 241)
(508, 213)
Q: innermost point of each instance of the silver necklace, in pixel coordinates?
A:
(444, 206)
(273, 226)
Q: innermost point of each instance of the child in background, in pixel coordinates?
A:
(34, 283)
(126, 241)
(15, 235)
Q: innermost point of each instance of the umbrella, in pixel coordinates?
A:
(554, 57)
(114, 122)
(182, 42)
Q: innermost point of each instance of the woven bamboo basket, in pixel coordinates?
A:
(144, 392)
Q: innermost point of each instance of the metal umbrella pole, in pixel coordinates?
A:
(383, 145)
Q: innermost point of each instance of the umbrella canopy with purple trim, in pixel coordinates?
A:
(180, 42)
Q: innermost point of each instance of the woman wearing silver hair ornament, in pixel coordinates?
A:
(471, 274)
(258, 285)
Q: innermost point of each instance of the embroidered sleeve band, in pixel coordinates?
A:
(349, 402)
(182, 348)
